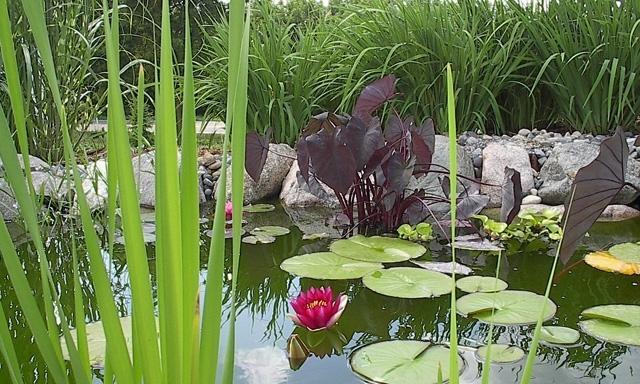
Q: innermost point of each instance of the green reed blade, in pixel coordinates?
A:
(12, 76)
(78, 305)
(7, 350)
(486, 366)
(144, 323)
(189, 196)
(453, 196)
(140, 111)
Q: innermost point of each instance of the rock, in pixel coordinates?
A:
(8, 204)
(533, 192)
(496, 156)
(531, 199)
(207, 159)
(295, 192)
(565, 160)
(276, 168)
(35, 164)
(524, 132)
(576, 135)
(215, 165)
(618, 212)
(477, 161)
(430, 181)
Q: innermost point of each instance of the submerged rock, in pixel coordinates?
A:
(496, 157)
(619, 212)
(558, 172)
(295, 192)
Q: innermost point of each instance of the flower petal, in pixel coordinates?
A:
(343, 304)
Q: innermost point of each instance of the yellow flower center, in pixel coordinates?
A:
(316, 303)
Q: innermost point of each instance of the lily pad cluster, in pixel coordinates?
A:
(418, 232)
(621, 258)
(619, 324)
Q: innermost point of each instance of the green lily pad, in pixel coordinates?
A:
(505, 307)
(259, 208)
(329, 266)
(628, 252)
(377, 249)
(401, 362)
(617, 323)
(500, 353)
(474, 284)
(97, 342)
(259, 238)
(559, 335)
(270, 230)
(444, 267)
(315, 236)
(408, 283)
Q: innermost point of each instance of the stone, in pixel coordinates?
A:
(531, 199)
(430, 182)
(295, 192)
(524, 132)
(496, 157)
(533, 192)
(207, 159)
(477, 161)
(215, 165)
(576, 134)
(276, 168)
(559, 170)
(8, 203)
(618, 212)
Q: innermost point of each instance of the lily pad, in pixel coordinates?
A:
(500, 353)
(401, 362)
(228, 233)
(444, 267)
(259, 238)
(617, 323)
(408, 283)
(329, 266)
(315, 236)
(377, 249)
(259, 208)
(559, 335)
(505, 307)
(473, 284)
(474, 242)
(270, 230)
(97, 342)
(627, 252)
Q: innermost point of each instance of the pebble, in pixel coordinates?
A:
(215, 165)
(533, 192)
(477, 161)
(208, 182)
(207, 159)
(524, 132)
(531, 199)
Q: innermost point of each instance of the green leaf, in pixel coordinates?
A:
(559, 335)
(329, 266)
(408, 283)
(473, 284)
(377, 249)
(500, 353)
(259, 208)
(617, 323)
(270, 230)
(506, 307)
(259, 238)
(401, 362)
(627, 252)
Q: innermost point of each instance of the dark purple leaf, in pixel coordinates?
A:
(423, 142)
(379, 156)
(374, 95)
(323, 120)
(331, 159)
(398, 172)
(303, 158)
(445, 183)
(637, 142)
(594, 187)
(256, 155)
(470, 205)
(396, 129)
(363, 139)
(511, 195)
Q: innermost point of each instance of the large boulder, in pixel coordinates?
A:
(497, 156)
(295, 192)
(8, 204)
(276, 168)
(558, 172)
(430, 182)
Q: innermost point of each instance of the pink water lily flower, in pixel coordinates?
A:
(228, 210)
(317, 308)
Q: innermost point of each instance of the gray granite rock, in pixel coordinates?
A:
(8, 204)
(295, 192)
(618, 212)
(497, 156)
(560, 169)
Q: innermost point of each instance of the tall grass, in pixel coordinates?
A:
(180, 351)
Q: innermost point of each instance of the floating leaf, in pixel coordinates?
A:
(605, 261)
(329, 266)
(377, 249)
(629, 252)
(270, 230)
(402, 362)
(408, 283)
(227, 233)
(594, 188)
(500, 353)
(505, 307)
(474, 242)
(259, 208)
(315, 236)
(259, 238)
(617, 323)
(444, 267)
(473, 284)
(559, 335)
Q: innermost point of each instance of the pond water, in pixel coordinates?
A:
(264, 290)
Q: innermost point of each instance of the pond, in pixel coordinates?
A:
(264, 291)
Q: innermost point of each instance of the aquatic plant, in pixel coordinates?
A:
(420, 231)
(621, 258)
(318, 308)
